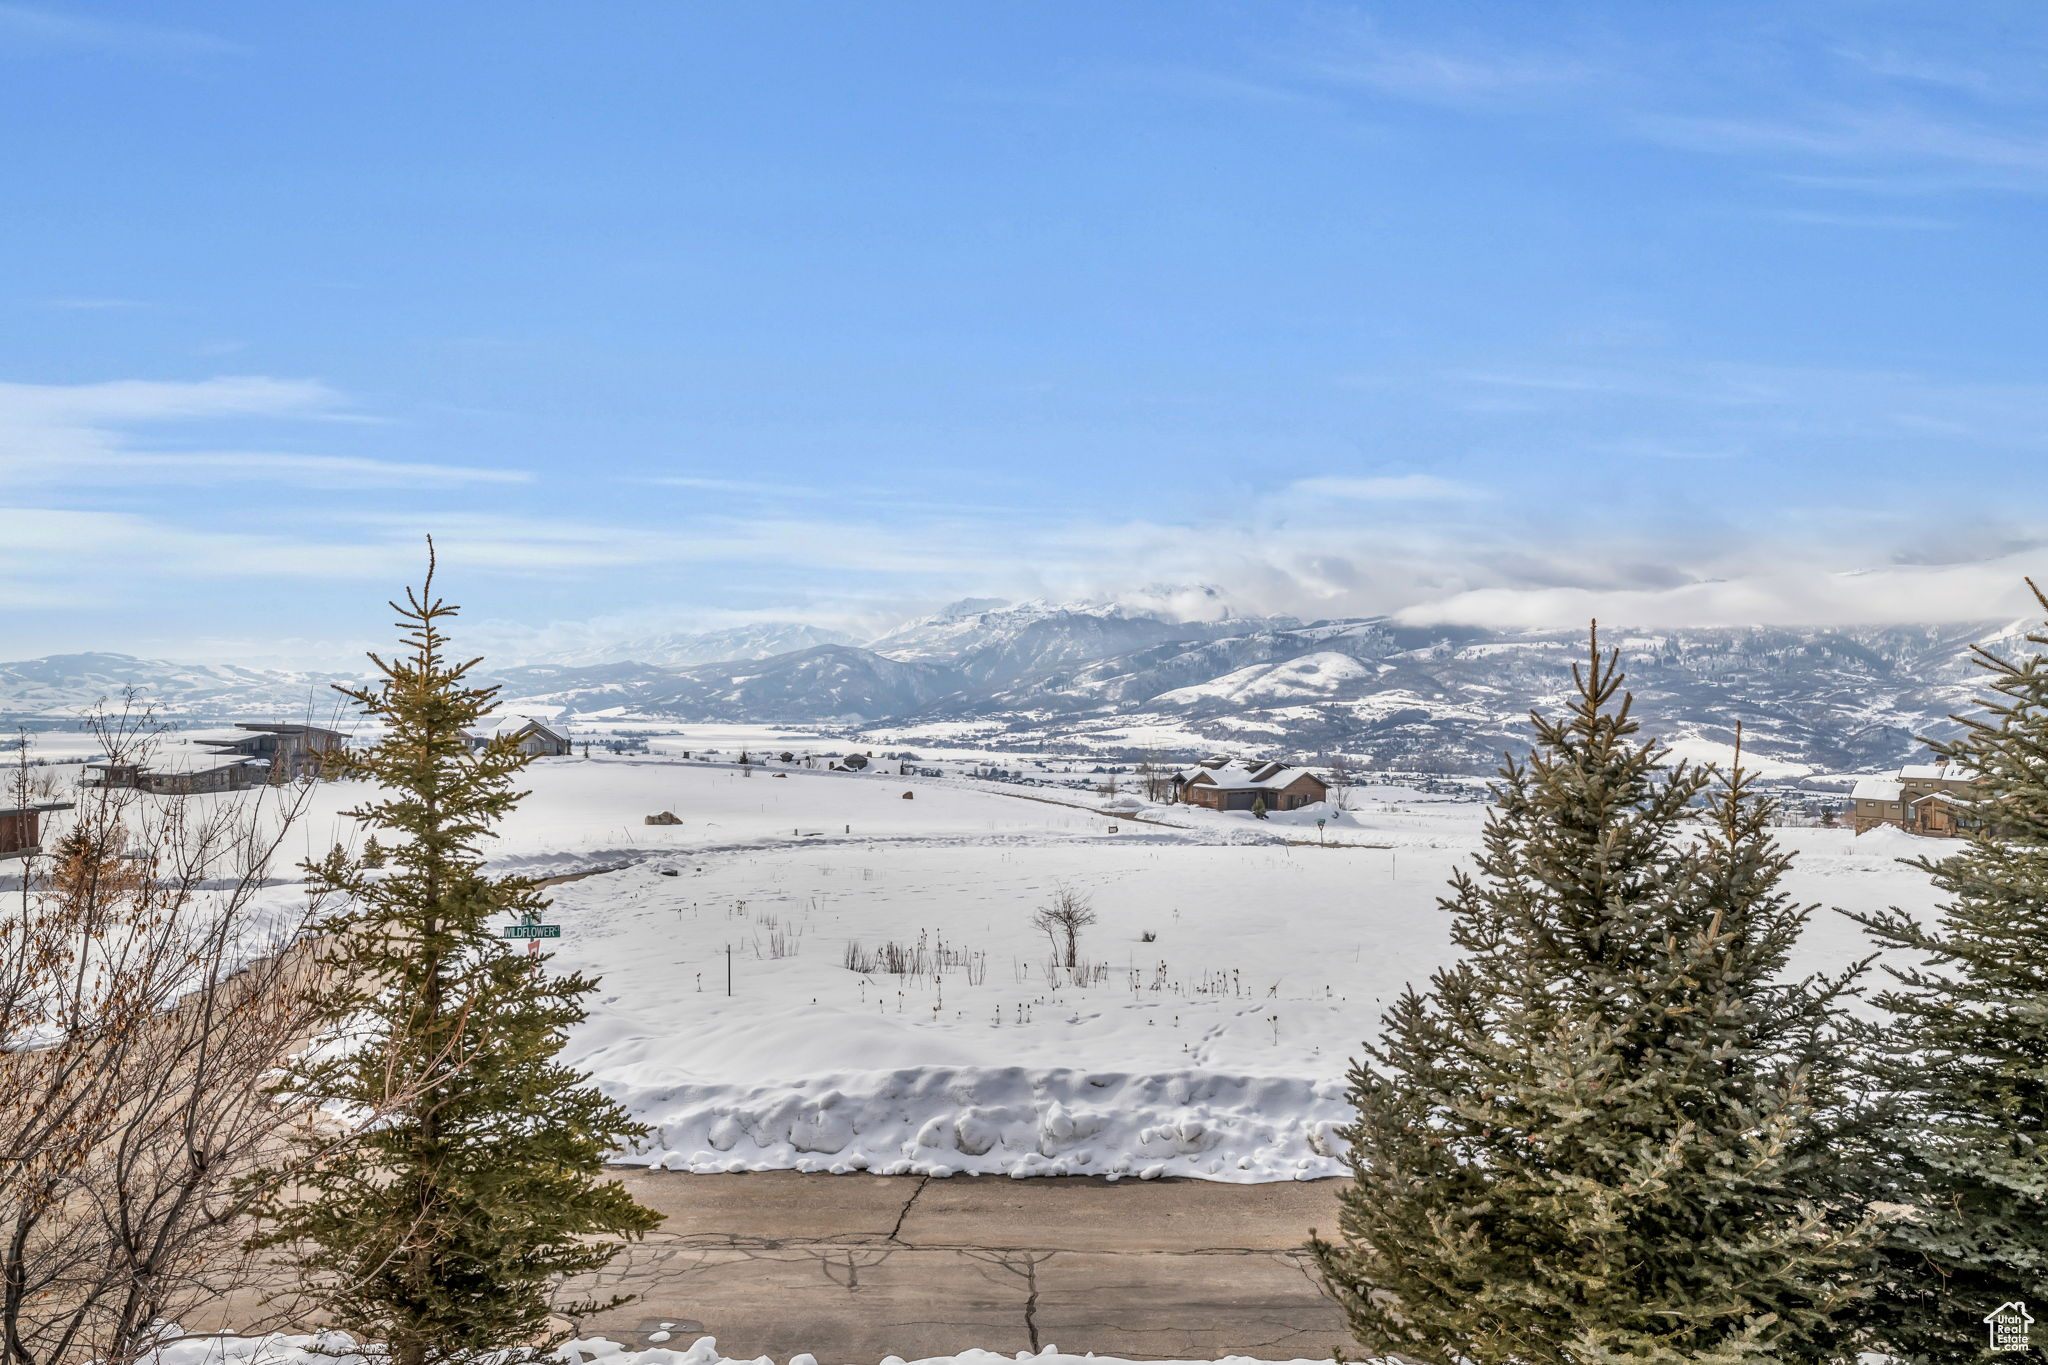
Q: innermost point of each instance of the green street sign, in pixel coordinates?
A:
(533, 931)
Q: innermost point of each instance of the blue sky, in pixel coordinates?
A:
(669, 316)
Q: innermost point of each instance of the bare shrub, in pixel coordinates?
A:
(1062, 919)
(919, 959)
(149, 991)
(900, 959)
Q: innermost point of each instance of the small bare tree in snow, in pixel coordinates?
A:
(1343, 777)
(1157, 776)
(1062, 919)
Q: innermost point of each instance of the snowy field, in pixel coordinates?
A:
(1234, 966)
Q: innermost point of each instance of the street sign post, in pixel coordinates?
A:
(533, 931)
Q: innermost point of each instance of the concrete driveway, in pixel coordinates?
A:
(853, 1268)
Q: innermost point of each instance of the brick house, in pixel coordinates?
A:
(1233, 784)
(1924, 798)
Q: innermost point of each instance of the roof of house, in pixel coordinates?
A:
(519, 725)
(288, 729)
(1875, 789)
(36, 808)
(1949, 797)
(189, 762)
(1933, 772)
(1249, 775)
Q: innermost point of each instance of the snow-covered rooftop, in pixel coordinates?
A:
(1244, 775)
(1875, 789)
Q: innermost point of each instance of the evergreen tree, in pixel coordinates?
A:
(1961, 1066)
(1595, 1138)
(442, 1230)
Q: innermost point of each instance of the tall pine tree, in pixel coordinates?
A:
(442, 1230)
(1961, 1063)
(1596, 1137)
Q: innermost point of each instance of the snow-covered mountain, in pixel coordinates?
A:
(759, 641)
(976, 623)
(63, 686)
(1108, 678)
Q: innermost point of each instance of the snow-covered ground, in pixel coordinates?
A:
(335, 1348)
(1234, 967)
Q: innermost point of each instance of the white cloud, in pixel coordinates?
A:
(1792, 591)
(758, 488)
(1460, 72)
(1961, 153)
(33, 28)
(1387, 488)
(81, 433)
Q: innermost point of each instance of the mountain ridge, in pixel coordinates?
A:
(1106, 678)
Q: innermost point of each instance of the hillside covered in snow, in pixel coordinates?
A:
(1117, 680)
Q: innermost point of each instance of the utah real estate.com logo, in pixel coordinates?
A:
(2010, 1325)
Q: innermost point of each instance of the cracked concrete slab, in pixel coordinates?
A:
(1186, 1305)
(853, 1268)
(1129, 1215)
(771, 1206)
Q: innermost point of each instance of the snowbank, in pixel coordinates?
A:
(335, 1348)
(947, 1121)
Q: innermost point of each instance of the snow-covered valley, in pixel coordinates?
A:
(1234, 967)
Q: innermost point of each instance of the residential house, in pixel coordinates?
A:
(1924, 798)
(184, 775)
(1239, 784)
(264, 753)
(21, 830)
(291, 751)
(529, 734)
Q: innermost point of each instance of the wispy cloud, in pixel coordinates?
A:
(1870, 116)
(1884, 222)
(35, 28)
(1943, 150)
(1460, 71)
(759, 488)
(85, 433)
(1387, 488)
(88, 305)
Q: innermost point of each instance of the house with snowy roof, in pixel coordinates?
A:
(529, 734)
(1240, 784)
(1923, 798)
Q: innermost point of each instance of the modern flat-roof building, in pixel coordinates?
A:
(186, 775)
(289, 750)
